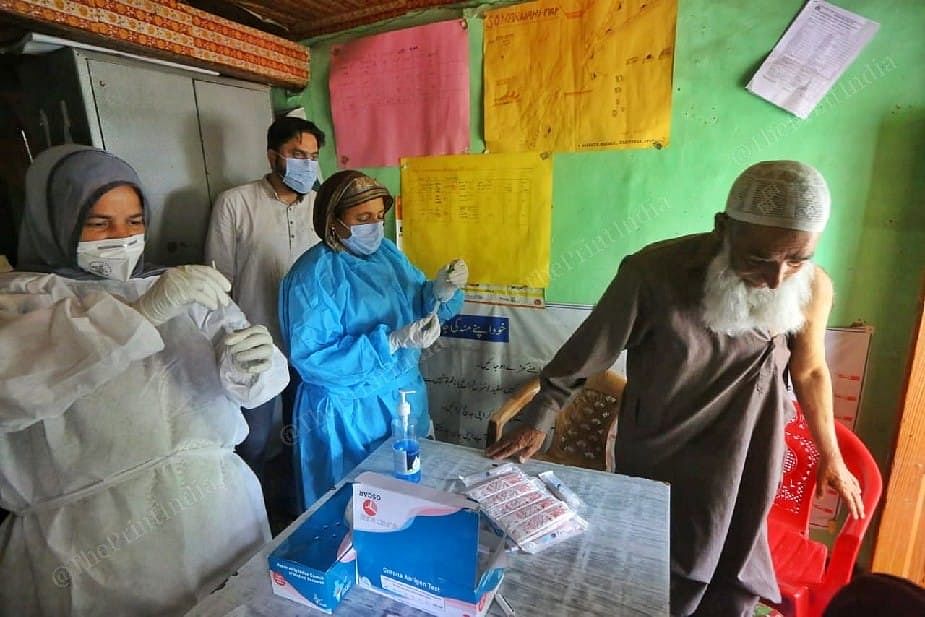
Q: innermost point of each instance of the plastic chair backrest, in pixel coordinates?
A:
(844, 551)
(794, 500)
(586, 425)
(793, 503)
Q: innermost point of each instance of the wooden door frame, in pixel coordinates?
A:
(900, 546)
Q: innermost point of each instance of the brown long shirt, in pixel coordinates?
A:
(702, 411)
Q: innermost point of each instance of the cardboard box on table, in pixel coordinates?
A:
(420, 547)
(316, 565)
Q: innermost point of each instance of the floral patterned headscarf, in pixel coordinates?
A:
(342, 191)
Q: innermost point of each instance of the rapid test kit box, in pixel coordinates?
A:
(316, 564)
(425, 548)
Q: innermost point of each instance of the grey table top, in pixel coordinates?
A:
(618, 567)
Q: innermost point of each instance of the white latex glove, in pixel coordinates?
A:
(420, 334)
(450, 278)
(250, 348)
(179, 287)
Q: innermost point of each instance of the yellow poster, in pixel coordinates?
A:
(567, 75)
(493, 210)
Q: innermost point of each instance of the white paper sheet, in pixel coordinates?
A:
(816, 49)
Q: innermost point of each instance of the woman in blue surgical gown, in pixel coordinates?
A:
(355, 314)
(121, 389)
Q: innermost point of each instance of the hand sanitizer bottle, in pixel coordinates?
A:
(406, 451)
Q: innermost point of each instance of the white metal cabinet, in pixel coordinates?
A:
(148, 117)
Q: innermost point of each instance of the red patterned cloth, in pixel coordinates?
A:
(176, 30)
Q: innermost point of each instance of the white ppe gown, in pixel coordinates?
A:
(117, 447)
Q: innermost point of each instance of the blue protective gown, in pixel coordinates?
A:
(336, 311)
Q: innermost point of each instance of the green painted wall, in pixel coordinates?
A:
(867, 137)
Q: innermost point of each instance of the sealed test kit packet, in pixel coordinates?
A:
(423, 547)
(316, 564)
(524, 508)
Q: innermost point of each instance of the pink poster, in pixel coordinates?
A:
(403, 93)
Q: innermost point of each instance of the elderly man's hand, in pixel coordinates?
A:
(833, 472)
(522, 443)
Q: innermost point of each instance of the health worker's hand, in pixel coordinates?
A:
(250, 348)
(419, 334)
(178, 288)
(449, 278)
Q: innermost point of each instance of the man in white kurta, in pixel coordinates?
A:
(258, 230)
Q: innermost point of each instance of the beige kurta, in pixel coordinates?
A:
(702, 411)
(254, 239)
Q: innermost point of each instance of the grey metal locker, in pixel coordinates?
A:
(235, 151)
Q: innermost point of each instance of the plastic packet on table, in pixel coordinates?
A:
(515, 517)
(497, 510)
(524, 509)
(560, 490)
(481, 476)
(484, 491)
(527, 486)
(569, 529)
(494, 485)
(540, 523)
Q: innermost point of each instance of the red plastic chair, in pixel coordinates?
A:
(807, 575)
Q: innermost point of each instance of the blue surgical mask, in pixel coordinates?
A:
(300, 174)
(365, 239)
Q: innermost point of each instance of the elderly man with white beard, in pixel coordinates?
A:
(712, 324)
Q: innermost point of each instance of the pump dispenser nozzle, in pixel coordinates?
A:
(404, 408)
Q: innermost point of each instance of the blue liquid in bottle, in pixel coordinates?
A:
(406, 451)
(407, 460)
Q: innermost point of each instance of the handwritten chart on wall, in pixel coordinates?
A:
(402, 93)
(566, 75)
(492, 210)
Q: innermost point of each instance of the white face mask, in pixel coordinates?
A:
(113, 258)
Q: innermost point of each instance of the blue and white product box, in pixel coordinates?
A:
(316, 564)
(421, 547)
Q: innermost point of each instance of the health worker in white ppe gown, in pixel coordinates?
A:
(120, 396)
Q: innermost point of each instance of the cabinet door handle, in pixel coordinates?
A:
(43, 123)
(66, 122)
